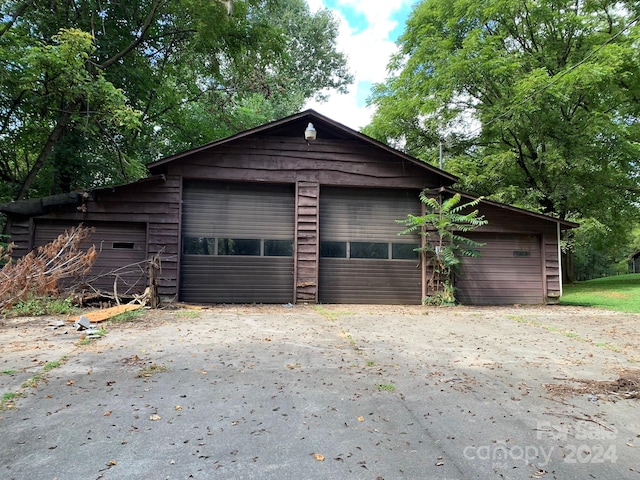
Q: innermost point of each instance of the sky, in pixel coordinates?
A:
(368, 31)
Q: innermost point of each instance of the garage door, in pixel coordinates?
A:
(508, 271)
(362, 257)
(237, 243)
(119, 245)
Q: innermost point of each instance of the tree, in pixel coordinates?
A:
(538, 102)
(127, 82)
(442, 225)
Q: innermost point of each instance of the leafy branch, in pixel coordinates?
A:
(442, 224)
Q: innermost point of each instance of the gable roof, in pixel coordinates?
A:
(564, 224)
(294, 126)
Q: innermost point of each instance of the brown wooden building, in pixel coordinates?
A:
(267, 216)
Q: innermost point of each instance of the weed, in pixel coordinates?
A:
(51, 365)
(152, 369)
(94, 336)
(127, 316)
(8, 372)
(188, 314)
(349, 338)
(608, 346)
(331, 315)
(566, 333)
(370, 363)
(38, 306)
(32, 382)
(386, 387)
(6, 402)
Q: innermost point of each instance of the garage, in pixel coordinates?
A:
(237, 243)
(508, 271)
(270, 216)
(119, 245)
(362, 257)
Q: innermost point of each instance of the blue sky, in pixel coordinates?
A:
(368, 31)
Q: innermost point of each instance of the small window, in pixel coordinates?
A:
(521, 253)
(198, 246)
(123, 245)
(238, 246)
(369, 250)
(333, 249)
(405, 251)
(278, 248)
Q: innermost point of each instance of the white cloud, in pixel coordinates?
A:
(368, 49)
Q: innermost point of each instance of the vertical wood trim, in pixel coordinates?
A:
(179, 239)
(317, 269)
(295, 244)
(543, 266)
(423, 254)
(560, 275)
(306, 233)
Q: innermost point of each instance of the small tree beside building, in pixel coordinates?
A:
(442, 226)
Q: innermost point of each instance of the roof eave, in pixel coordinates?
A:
(564, 224)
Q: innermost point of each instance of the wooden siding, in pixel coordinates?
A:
(510, 223)
(289, 160)
(20, 233)
(154, 203)
(106, 237)
(508, 271)
(306, 242)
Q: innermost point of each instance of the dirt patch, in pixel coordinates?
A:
(626, 386)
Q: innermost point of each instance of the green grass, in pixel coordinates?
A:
(127, 316)
(38, 306)
(620, 293)
(7, 399)
(331, 315)
(386, 387)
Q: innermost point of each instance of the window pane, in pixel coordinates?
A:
(333, 249)
(198, 246)
(238, 246)
(278, 248)
(369, 250)
(405, 251)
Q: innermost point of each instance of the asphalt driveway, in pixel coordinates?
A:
(324, 392)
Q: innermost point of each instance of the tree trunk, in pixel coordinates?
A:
(54, 136)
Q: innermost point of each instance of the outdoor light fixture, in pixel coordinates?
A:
(310, 132)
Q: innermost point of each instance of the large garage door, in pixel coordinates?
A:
(237, 243)
(120, 247)
(362, 257)
(508, 271)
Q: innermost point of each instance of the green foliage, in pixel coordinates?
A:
(127, 316)
(386, 387)
(38, 306)
(124, 83)
(620, 293)
(537, 103)
(444, 221)
(598, 253)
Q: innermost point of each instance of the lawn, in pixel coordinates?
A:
(621, 293)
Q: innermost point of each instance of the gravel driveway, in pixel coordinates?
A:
(324, 392)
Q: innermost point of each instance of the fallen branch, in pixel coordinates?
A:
(40, 272)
